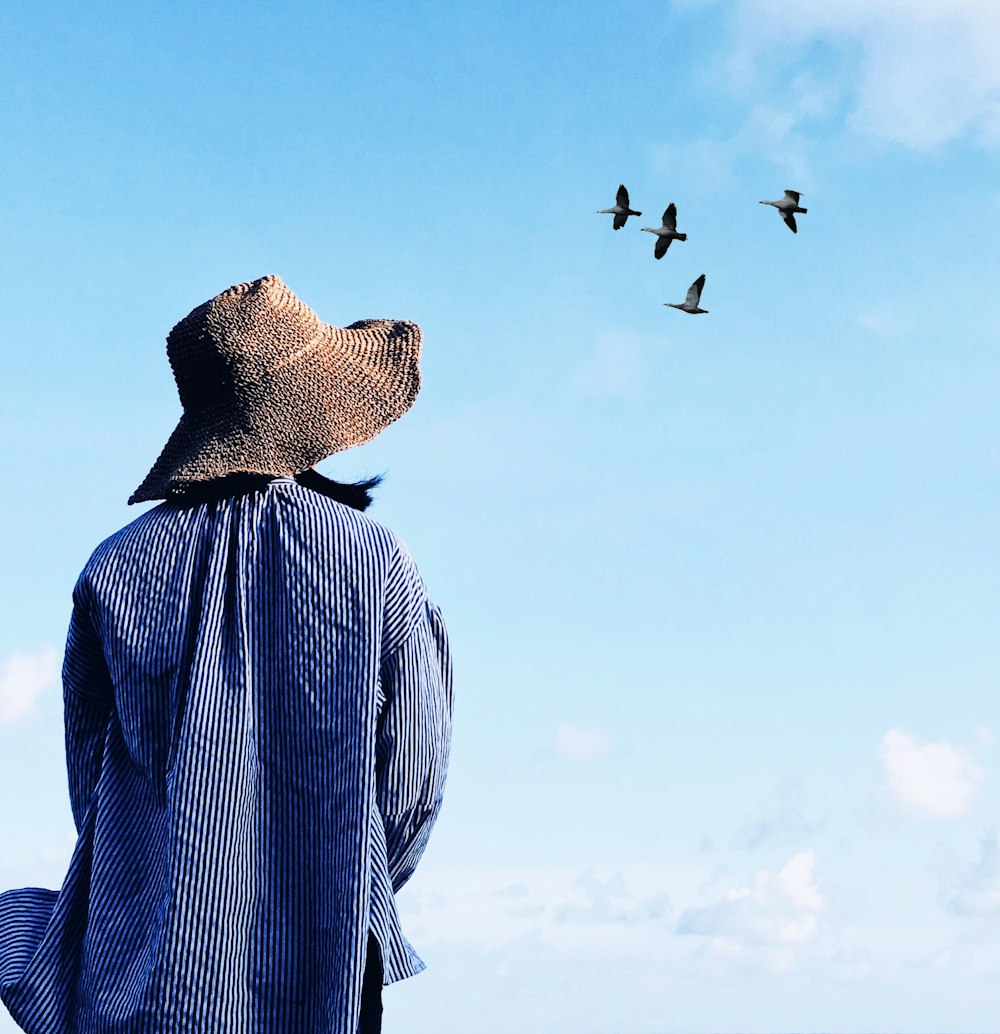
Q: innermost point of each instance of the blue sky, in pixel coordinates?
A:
(722, 590)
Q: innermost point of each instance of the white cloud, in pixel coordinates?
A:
(775, 909)
(927, 71)
(614, 922)
(977, 892)
(582, 742)
(23, 678)
(934, 780)
(795, 878)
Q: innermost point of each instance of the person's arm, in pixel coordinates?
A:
(413, 738)
(87, 701)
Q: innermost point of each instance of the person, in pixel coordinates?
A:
(258, 707)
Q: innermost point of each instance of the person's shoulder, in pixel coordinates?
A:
(326, 523)
(377, 536)
(164, 521)
(150, 532)
(346, 519)
(159, 534)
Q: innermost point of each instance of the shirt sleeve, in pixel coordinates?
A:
(87, 701)
(413, 738)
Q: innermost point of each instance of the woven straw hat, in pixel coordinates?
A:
(268, 388)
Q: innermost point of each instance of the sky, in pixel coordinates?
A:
(721, 590)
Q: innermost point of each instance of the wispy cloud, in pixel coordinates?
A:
(984, 735)
(774, 126)
(616, 367)
(886, 320)
(977, 892)
(609, 900)
(785, 821)
(24, 677)
(582, 742)
(935, 780)
(497, 905)
(922, 72)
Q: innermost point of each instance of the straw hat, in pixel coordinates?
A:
(268, 388)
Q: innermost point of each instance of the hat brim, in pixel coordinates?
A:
(341, 391)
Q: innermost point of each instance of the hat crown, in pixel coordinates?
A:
(239, 338)
(267, 387)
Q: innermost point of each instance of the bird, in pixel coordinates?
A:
(690, 304)
(667, 232)
(787, 207)
(621, 211)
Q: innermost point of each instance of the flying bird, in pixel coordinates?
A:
(787, 207)
(621, 211)
(690, 304)
(667, 232)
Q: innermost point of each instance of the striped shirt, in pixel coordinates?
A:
(258, 718)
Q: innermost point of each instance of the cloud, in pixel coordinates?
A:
(933, 780)
(786, 821)
(795, 880)
(773, 127)
(582, 742)
(776, 909)
(977, 892)
(512, 890)
(23, 678)
(495, 905)
(609, 901)
(920, 72)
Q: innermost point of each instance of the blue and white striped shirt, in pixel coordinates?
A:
(258, 718)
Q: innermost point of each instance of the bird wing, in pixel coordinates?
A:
(694, 291)
(619, 220)
(789, 221)
(622, 196)
(670, 217)
(793, 194)
(662, 243)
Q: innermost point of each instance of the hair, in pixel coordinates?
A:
(356, 494)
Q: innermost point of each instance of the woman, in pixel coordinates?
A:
(257, 705)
